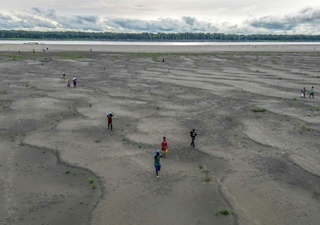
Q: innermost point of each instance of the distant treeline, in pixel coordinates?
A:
(108, 36)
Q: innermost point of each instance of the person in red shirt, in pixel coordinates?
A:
(110, 115)
(164, 147)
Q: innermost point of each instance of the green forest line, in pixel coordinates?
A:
(109, 36)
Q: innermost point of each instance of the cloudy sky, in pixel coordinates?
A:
(213, 16)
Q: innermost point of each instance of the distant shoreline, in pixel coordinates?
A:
(160, 41)
(151, 43)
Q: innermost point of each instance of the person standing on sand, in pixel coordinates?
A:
(69, 83)
(157, 164)
(193, 135)
(109, 116)
(168, 68)
(64, 75)
(164, 147)
(304, 92)
(311, 93)
(74, 82)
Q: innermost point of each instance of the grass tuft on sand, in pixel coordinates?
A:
(222, 211)
(258, 109)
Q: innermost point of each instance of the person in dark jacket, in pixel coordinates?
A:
(193, 135)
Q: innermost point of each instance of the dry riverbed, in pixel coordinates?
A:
(261, 166)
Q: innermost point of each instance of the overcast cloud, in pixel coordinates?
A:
(233, 16)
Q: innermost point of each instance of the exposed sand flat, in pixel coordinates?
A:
(211, 47)
(264, 167)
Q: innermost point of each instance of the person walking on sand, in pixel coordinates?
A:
(69, 83)
(64, 75)
(168, 68)
(193, 135)
(311, 93)
(304, 92)
(164, 147)
(157, 164)
(109, 116)
(74, 82)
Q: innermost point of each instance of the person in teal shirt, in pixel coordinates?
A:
(157, 164)
(311, 93)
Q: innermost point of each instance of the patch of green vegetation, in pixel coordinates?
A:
(195, 67)
(15, 57)
(104, 68)
(123, 138)
(280, 78)
(294, 98)
(126, 67)
(41, 64)
(158, 107)
(5, 92)
(207, 177)
(318, 76)
(258, 71)
(75, 108)
(302, 59)
(155, 59)
(90, 105)
(222, 211)
(58, 120)
(114, 57)
(93, 186)
(258, 109)
(27, 85)
(139, 145)
(248, 61)
(274, 61)
(67, 171)
(71, 56)
(90, 180)
(22, 143)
